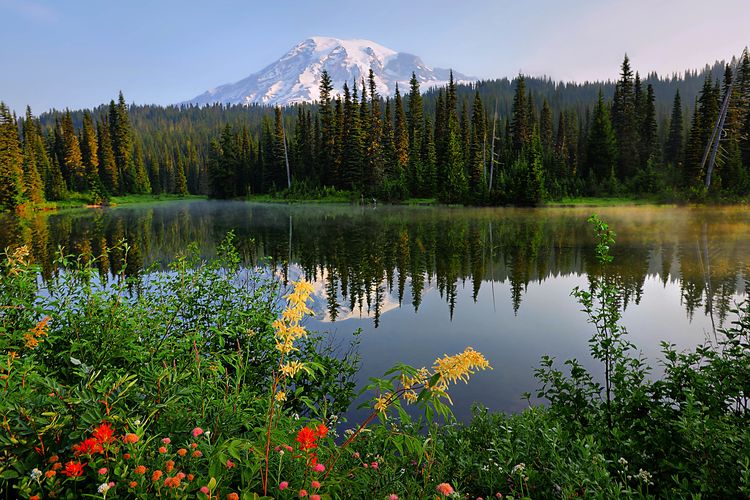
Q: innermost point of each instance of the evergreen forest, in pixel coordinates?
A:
(501, 142)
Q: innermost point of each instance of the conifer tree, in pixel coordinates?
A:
(11, 161)
(602, 148)
(648, 131)
(477, 149)
(107, 165)
(401, 136)
(33, 186)
(545, 128)
(674, 145)
(180, 180)
(415, 120)
(328, 131)
(90, 158)
(374, 153)
(625, 123)
(141, 182)
(520, 126)
(122, 144)
(352, 152)
(428, 160)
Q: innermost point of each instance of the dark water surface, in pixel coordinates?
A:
(425, 281)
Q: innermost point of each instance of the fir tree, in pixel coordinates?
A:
(72, 162)
(477, 147)
(602, 148)
(415, 119)
(33, 186)
(674, 145)
(107, 165)
(11, 161)
(401, 136)
(520, 126)
(625, 122)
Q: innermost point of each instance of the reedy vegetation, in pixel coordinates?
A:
(134, 366)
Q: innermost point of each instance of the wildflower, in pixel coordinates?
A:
(197, 454)
(306, 438)
(50, 474)
(518, 469)
(623, 462)
(73, 469)
(366, 465)
(314, 497)
(204, 490)
(356, 454)
(374, 465)
(133, 484)
(302, 493)
(53, 459)
(169, 466)
(444, 489)
(104, 433)
(498, 495)
(230, 464)
(103, 488)
(137, 423)
(182, 452)
(233, 496)
(292, 368)
(193, 445)
(280, 396)
(102, 471)
(162, 449)
(88, 446)
(172, 482)
(35, 474)
(321, 430)
(319, 468)
(181, 475)
(156, 475)
(140, 469)
(459, 366)
(190, 477)
(393, 496)
(34, 497)
(130, 438)
(57, 466)
(283, 485)
(126, 456)
(197, 432)
(315, 484)
(166, 440)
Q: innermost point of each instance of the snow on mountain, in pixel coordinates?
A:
(296, 76)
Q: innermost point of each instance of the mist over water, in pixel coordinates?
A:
(424, 281)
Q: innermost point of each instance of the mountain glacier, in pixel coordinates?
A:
(295, 77)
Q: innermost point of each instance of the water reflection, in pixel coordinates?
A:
(362, 259)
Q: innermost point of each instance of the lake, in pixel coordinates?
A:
(425, 281)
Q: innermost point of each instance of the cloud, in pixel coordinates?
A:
(31, 10)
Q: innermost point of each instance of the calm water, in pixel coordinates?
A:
(422, 281)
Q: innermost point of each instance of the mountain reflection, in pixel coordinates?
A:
(368, 260)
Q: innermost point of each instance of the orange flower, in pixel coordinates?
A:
(88, 446)
(50, 474)
(190, 477)
(34, 497)
(162, 449)
(126, 456)
(197, 454)
(53, 459)
(130, 438)
(444, 489)
(306, 438)
(233, 496)
(104, 433)
(321, 430)
(172, 482)
(169, 466)
(133, 484)
(182, 452)
(156, 475)
(57, 466)
(73, 469)
(141, 469)
(193, 445)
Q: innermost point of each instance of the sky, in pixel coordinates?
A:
(80, 53)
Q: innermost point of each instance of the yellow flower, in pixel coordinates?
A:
(280, 396)
(30, 340)
(381, 402)
(410, 396)
(291, 369)
(459, 366)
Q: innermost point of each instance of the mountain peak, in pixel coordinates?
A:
(295, 77)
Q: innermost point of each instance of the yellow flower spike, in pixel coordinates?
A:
(381, 402)
(291, 369)
(459, 366)
(280, 396)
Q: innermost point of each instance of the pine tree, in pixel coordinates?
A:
(122, 145)
(625, 123)
(477, 149)
(180, 181)
(602, 147)
(33, 186)
(90, 158)
(520, 124)
(328, 132)
(352, 152)
(546, 132)
(72, 162)
(373, 154)
(107, 165)
(141, 182)
(673, 150)
(415, 119)
(401, 136)
(648, 128)
(428, 160)
(11, 161)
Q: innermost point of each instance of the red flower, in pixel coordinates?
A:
(105, 434)
(130, 438)
(88, 446)
(321, 430)
(306, 438)
(73, 469)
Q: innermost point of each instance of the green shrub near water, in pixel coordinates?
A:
(193, 350)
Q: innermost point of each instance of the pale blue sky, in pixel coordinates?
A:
(80, 53)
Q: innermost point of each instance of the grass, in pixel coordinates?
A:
(600, 201)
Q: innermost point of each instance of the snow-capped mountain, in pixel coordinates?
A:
(296, 76)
